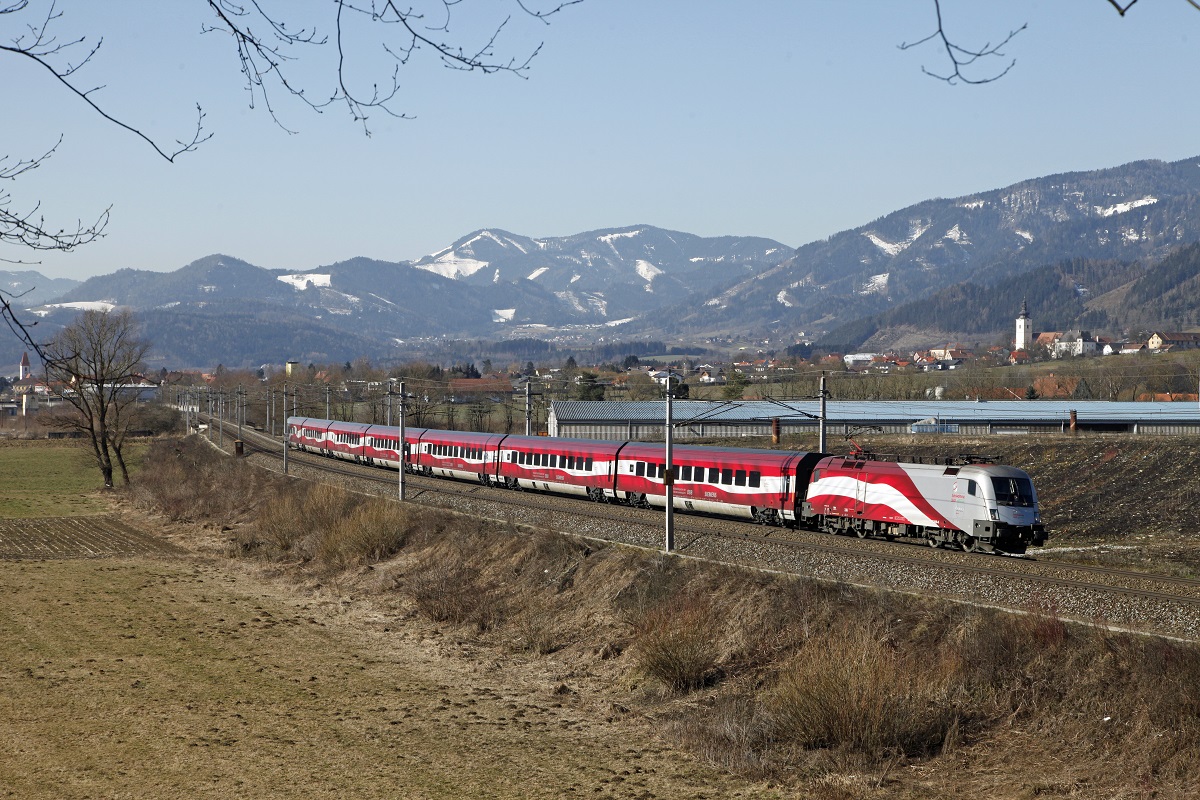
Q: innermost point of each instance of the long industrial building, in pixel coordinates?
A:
(696, 419)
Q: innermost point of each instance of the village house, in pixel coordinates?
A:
(1174, 340)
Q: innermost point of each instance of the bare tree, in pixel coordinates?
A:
(98, 357)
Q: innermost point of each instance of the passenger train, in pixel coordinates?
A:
(973, 506)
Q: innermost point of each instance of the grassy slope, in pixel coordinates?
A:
(39, 479)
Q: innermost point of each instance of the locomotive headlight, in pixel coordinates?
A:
(994, 514)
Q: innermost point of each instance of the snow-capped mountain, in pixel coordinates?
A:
(1138, 211)
(608, 274)
(646, 281)
(491, 284)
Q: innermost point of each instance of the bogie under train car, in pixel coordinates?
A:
(974, 506)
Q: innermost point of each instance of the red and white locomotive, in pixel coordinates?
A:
(974, 506)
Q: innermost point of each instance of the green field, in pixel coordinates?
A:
(49, 479)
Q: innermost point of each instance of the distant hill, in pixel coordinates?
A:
(491, 284)
(1102, 297)
(1136, 212)
(30, 288)
(1102, 250)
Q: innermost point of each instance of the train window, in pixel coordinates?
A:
(971, 488)
(641, 469)
(588, 464)
(1013, 491)
(739, 478)
(714, 475)
(951, 471)
(685, 473)
(662, 471)
(570, 462)
(755, 479)
(727, 476)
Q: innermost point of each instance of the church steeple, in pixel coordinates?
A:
(1024, 334)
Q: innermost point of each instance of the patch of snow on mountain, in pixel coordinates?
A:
(1121, 208)
(1026, 235)
(972, 204)
(876, 284)
(503, 314)
(541, 245)
(697, 258)
(916, 229)
(608, 237)
(516, 245)
(301, 282)
(575, 277)
(537, 273)
(466, 246)
(648, 271)
(382, 299)
(886, 246)
(453, 267)
(956, 234)
(782, 297)
(571, 299)
(598, 304)
(1130, 235)
(85, 305)
(614, 323)
(169, 305)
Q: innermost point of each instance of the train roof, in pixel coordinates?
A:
(655, 450)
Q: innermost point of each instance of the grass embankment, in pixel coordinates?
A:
(765, 677)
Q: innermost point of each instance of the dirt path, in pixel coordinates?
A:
(162, 676)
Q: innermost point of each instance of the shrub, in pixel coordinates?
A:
(447, 591)
(855, 690)
(372, 532)
(675, 645)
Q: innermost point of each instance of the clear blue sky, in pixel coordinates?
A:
(790, 119)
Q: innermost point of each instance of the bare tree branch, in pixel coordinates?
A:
(27, 229)
(41, 47)
(962, 57)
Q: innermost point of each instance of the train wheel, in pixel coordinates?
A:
(970, 544)
(932, 541)
(861, 531)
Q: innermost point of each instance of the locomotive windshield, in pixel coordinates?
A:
(1013, 491)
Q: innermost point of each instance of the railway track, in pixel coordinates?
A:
(1122, 598)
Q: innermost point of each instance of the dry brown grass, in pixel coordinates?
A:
(776, 678)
